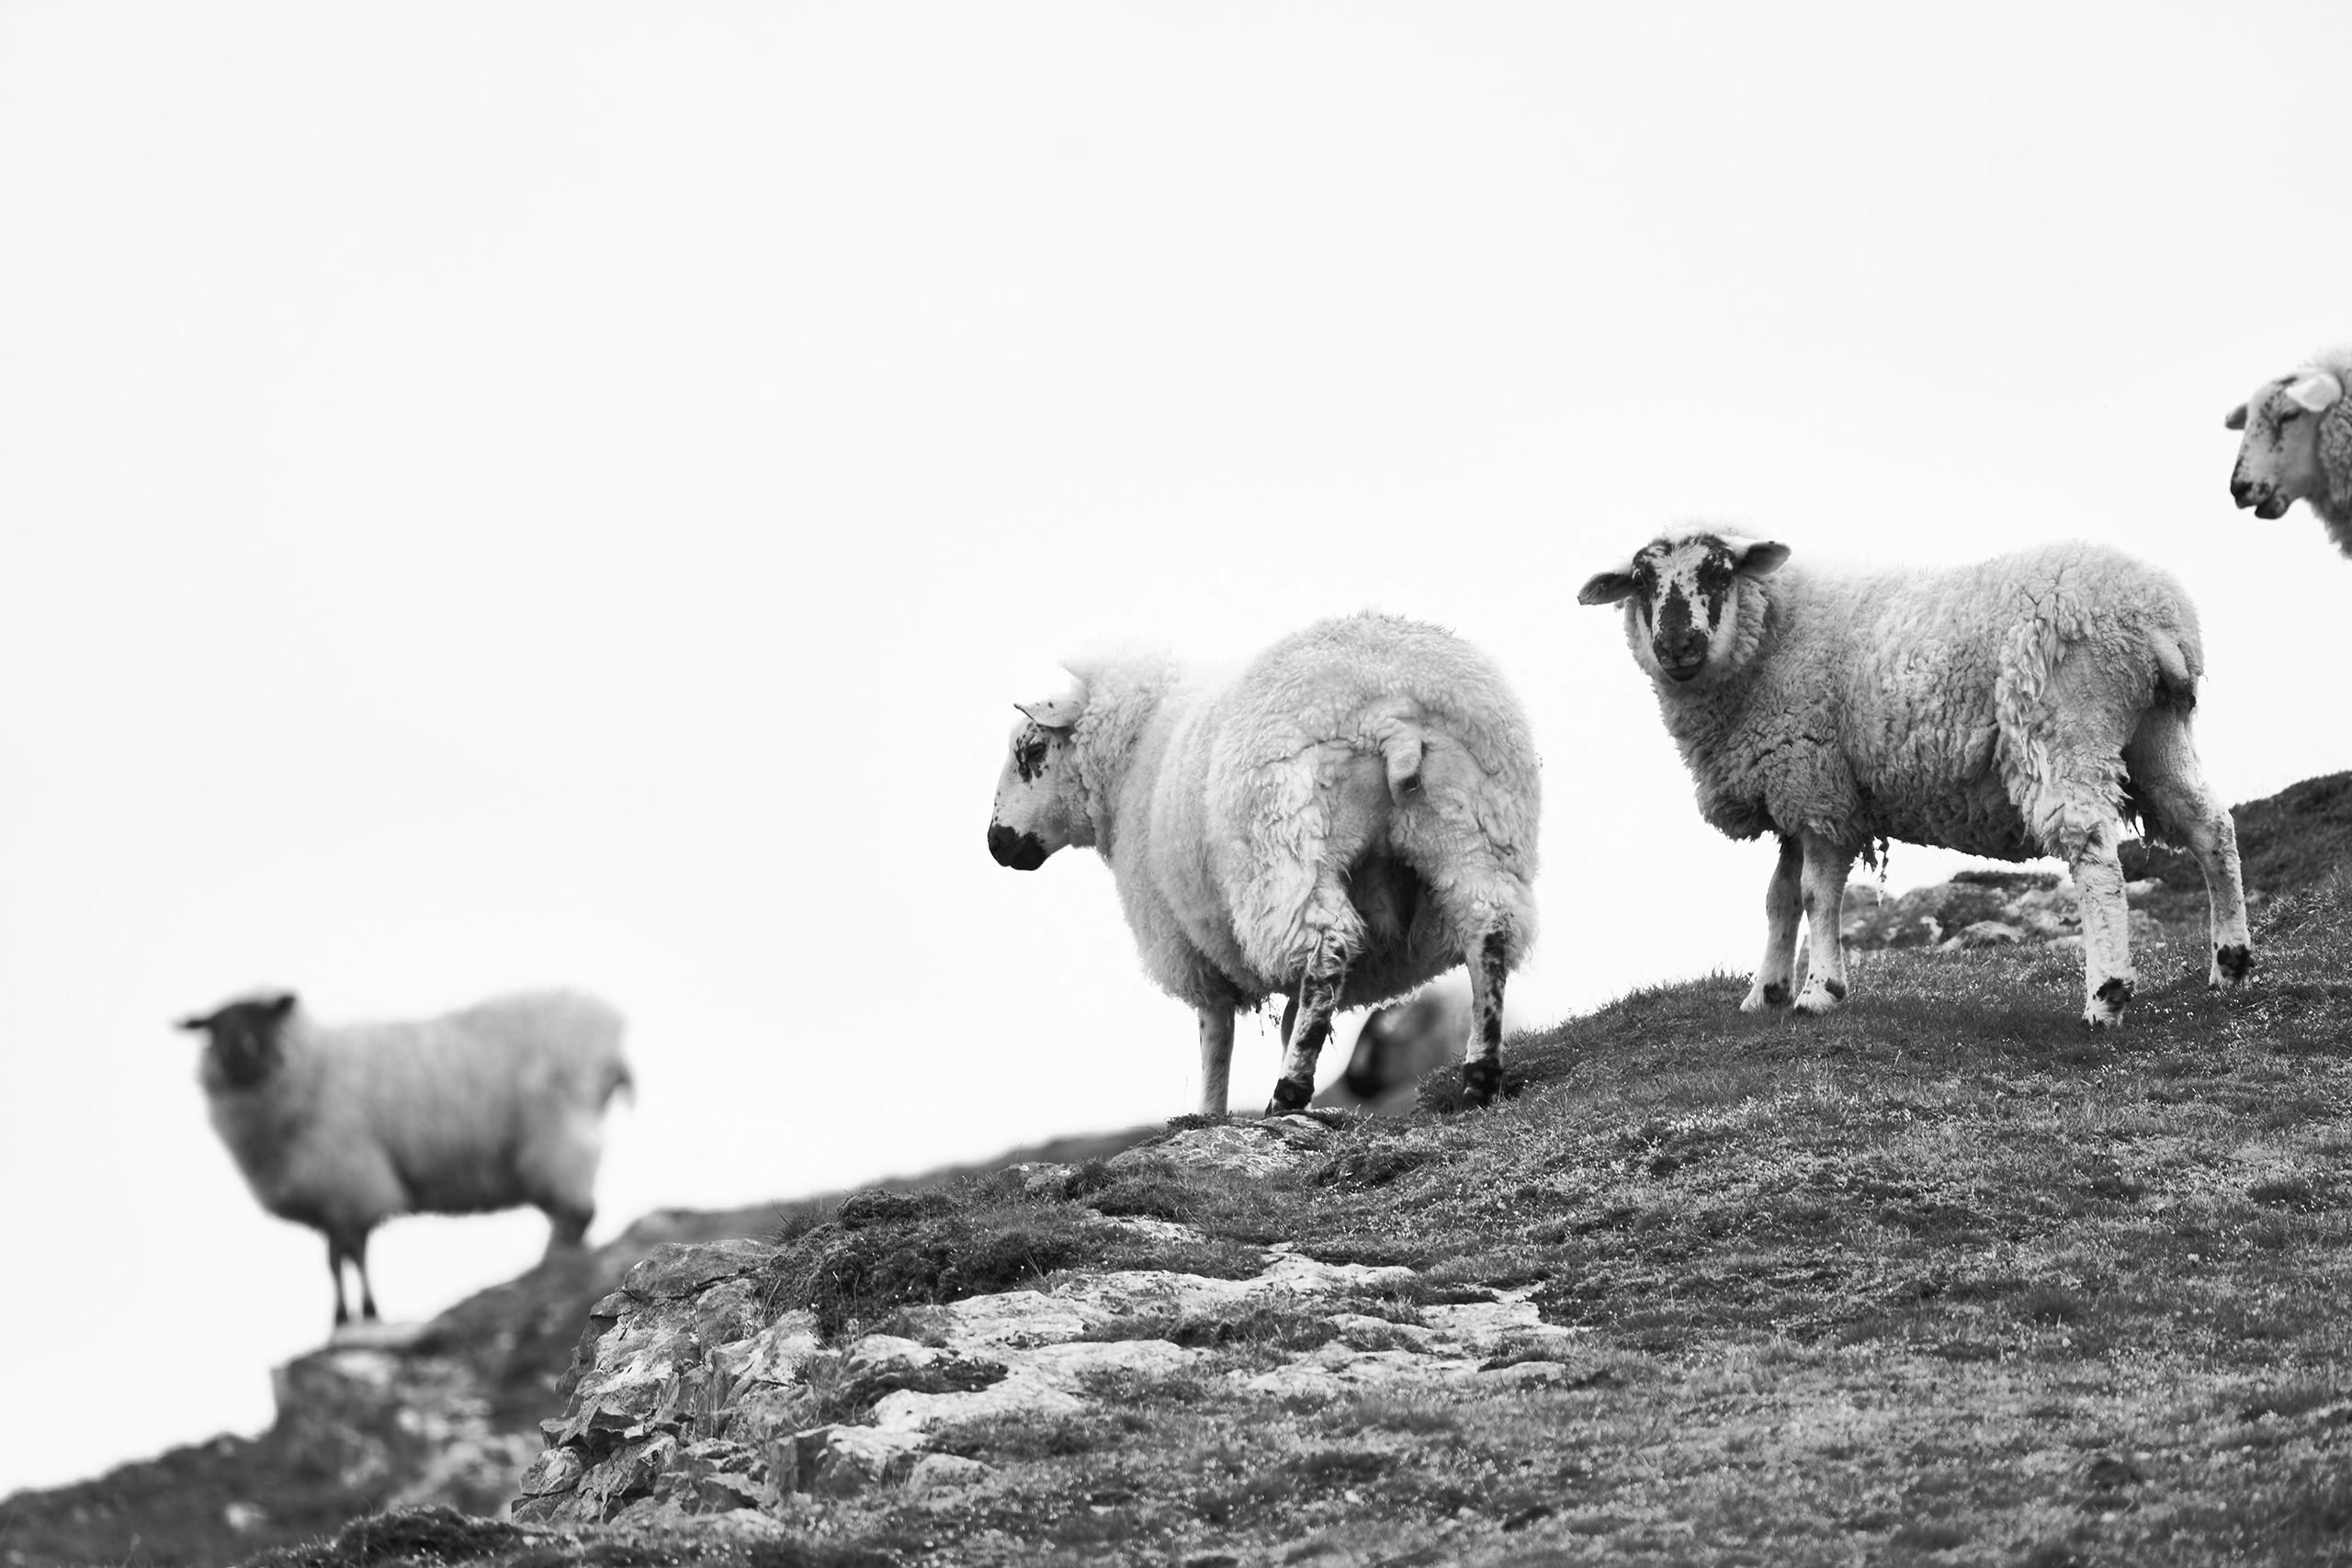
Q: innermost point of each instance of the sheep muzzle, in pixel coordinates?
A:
(1022, 851)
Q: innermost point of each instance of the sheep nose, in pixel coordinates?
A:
(1680, 654)
(1022, 851)
(2245, 492)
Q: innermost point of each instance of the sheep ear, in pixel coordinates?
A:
(2316, 392)
(1761, 557)
(1056, 713)
(2236, 420)
(194, 1023)
(282, 1006)
(1605, 588)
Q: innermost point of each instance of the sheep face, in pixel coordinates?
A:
(1037, 809)
(244, 1050)
(1681, 595)
(2280, 459)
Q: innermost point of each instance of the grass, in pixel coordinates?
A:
(1943, 1278)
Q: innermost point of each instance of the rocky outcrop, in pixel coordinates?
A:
(692, 1399)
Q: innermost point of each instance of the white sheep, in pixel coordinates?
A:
(2298, 445)
(2015, 707)
(1350, 816)
(340, 1128)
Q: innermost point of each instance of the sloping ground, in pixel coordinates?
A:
(1941, 1279)
(2286, 842)
(447, 1413)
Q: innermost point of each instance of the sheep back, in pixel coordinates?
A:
(1239, 800)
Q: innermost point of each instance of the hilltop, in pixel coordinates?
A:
(1943, 1278)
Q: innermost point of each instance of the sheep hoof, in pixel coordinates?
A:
(1760, 996)
(1290, 1094)
(2232, 966)
(1481, 1081)
(2107, 1003)
(1818, 1001)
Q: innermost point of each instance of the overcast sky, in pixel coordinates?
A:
(500, 495)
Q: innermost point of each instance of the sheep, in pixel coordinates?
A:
(2298, 445)
(1399, 1041)
(340, 1128)
(1350, 816)
(2020, 706)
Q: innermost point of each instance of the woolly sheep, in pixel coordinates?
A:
(1352, 815)
(1399, 1041)
(2298, 445)
(2015, 707)
(340, 1128)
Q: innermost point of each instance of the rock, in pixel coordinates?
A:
(843, 1461)
(1240, 1148)
(674, 1269)
(944, 1472)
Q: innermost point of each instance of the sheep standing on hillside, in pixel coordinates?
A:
(1352, 815)
(2298, 445)
(340, 1128)
(2011, 708)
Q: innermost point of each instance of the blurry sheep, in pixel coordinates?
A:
(342, 1127)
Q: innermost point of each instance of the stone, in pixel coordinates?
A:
(841, 1460)
(945, 1472)
(674, 1268)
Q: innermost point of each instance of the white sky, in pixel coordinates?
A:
(504, 495)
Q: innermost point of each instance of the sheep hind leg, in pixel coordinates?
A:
(1824, 902)
(1775, 979)
(1307, 1025)
(334, 1266)
(1482, 1060)
(2166, 775)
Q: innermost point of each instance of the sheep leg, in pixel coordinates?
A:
(1217, 1059)
(334, 1266)
(568, 1228)
(1318, 998)
(1774, 983)
(2107, 927)
(2164, 773)
(1824, 902)
(367, 1292)
(1482, 1060)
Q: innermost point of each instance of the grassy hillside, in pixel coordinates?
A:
(1944, 1279)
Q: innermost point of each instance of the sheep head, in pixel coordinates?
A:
(1037, 805)
(1681, 595)
(2297, 446)
(244, 1048)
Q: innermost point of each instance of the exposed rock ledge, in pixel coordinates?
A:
(690, 1399)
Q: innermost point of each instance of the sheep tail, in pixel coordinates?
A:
(1400, 748)
(2176, 678)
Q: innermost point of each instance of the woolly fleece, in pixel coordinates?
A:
(487, 1108)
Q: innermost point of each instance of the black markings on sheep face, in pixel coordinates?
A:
(1685, 589)
(1031, 751)
(1031, 817)
(245, 1039)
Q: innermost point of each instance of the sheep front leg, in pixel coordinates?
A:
(1217, 1059)
(2107, 927)
(1318, 998)
(1482, 1063)
(1774, 983)
(334, 1266)
(1824, 902)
